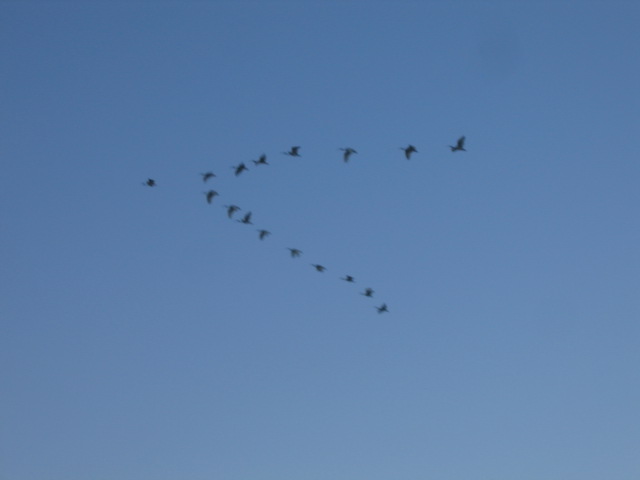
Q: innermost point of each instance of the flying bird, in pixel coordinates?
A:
(210, 194)
(264, 234)
(295, 252)
(262, 160)
(246, 219)
(231, 209)
(347, 153)
(382, 308)
(150, 182)
(459, 145)
(408, 151)
(348, 278)
(206, 176)
(319, 268)
(293, 152)
(368, 292)
(240, 168)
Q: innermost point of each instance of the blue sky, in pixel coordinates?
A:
(147, 336)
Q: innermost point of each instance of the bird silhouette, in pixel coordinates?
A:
(261, 161)
(206, 176)
(348, 278)
(210, 194)
(246, 219)
(240, 168)
(293, 152)
(231, 209)
(347, 153)
(264, 234)
(408, 151)
(382, 308)
(459, 145)
(319, 268)
(150, 182)
(295, 252)
(368, 292)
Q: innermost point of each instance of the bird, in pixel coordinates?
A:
(206, 176)
(319, 268)
(210, 194)
(347, 153)
(150, 182)
(293, 152)
(231, 209)
(295, 252)
(408, 151)
(262, 160)
(368, 292)
(264, 234)
(382, 308)
(459, 145)
(348, 278)
(246, 219)
(240, 168)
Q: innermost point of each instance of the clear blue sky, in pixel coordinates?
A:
(146, 336)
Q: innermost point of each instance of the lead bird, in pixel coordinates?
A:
(408, 151)
(294, 152)
(150, 182)
(206, 176)
(459, 145)
(347, 153)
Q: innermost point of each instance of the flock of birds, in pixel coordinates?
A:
(262, 233)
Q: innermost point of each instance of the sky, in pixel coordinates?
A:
(145, 335)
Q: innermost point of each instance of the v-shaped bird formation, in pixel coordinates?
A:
(294, 151)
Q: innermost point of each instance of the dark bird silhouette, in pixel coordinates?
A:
(264, 234)
(231, 209)
(382, 308)
(210, 194)
(348, 278)
(459, 145)
(240, 168)
(319, 268)
(262, 160)
(293, 152)
(206, 176)
(246, 219)
(150, 182)
(295, 252)
(408, 151)
(347, 153)
(368, 292)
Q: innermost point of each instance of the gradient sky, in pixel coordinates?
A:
(146, 336)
